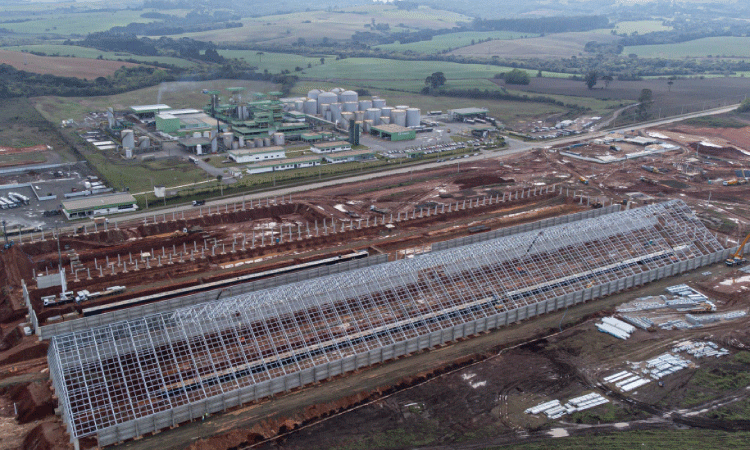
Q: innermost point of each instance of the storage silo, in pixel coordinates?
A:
(215, 144)
(299, 105)
(310, 107)
(258, 142)
(235, 145)
(267, 142)
(327, 116)
(364, 104)
(337, 90)
(359, 116)
(128, 139)
(398, 117)
(385, 120)
(349, 96)
(198, 150)
(144, 142)
(227, 138)
(368, 125)
(350, 106)
(413, 117)
(386, 111)
(404, 107)
(326, 98)
(278, 139)
(313, 94)
(250, 143)
(378, 102)
(129, 153)
(372, 113)
(242, 141)
(336, 109)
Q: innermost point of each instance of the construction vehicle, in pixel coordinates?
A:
(737, 259)
(730, 182)
(583, 180)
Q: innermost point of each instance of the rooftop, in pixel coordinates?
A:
(282, 162)
(351, 153)
(255, 151)
(391, 128)
(149, 108)
(100, 201)
(469, 111)
(332, 144)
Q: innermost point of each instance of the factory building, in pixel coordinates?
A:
(350, 156)
(393, 132)
(99, 206)
(284, 164)
(184, 122)
(331, 147)
(464, 114)
(244, 156)
(149, 111)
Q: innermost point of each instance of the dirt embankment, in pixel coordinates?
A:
(46, 436)
(33, 400)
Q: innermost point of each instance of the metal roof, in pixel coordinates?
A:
(332, 144)
(149, 108)
(391, 128)
(468, 111)
(98, 202)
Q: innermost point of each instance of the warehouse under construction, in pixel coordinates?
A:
(128, 378)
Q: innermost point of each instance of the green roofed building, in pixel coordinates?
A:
(350, 156)
(394, 132)
(100, 205)
(467, 113)
(284, 164)
(331, 147)
(145, 111)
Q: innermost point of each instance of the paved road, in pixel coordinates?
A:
(514, 147)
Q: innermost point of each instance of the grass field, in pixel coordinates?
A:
(22, 126)
(92, 53)
(175, 94)
(138, 176)
(276, 62)
(316, 25)
(74, 23)
(725, 46)
(554, 46)
(453, 41)
(640, 27)
(61, 66)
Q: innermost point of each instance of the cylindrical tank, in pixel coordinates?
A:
(372, 113)
(227, 138)
(350, 106)
(349, 96)
(198, 149)
(298, 105)
(250, 143)
(129, 153)
(327, 116)
(336, 109)
(404, 107)
(235, 145)
(347, 116)
(386, 111)
(377, 120)
(413, 117)
(258, 142)
(398, 117)
(378, 102)
(242, 141)
(326, 98)
(206, 134)
(310, 107)
(278, 139)
(359, 116)
(313, 94)
(215, 145)
(368, 126)
(364, 104)
(337, 90)
(144, 142)
(266, 142)
(385, 120)
(344, 124)
(128, 139)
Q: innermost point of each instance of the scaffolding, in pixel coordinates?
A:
(169, 365)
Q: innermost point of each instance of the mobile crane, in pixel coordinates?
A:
(737, 259)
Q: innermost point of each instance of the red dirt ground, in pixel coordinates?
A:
(62, 66)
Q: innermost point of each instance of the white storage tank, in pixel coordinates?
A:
(310, 107)
(242, 141)
(404, 107)
(336, 109)
(413, 117)
(378, 102)
(368, 125)
(327, 115)
(198, 150)
(313, 94)
(386, 111)
(337, 90)
(266, 142)
(385, 120)
(326, 98)
(359, 116)
(298, 105)
(365, 104)
(129, 153)
(250, 143)
(258, 142)
(349, 96)
(350, 106)
(235, 145)
(398, 117)
(347, 116)
(278, 139)
(372, 113)
(128, 139)
(227, 138)
(144, 142)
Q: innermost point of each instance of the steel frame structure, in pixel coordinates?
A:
(125, 371)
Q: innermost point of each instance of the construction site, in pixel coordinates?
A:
(247, 318)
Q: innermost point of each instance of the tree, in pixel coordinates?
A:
(607, 79)
(517, 76)
(644, 103)
(322, 60)
(744, 106)
(260, 56)
(591, 79)
(435, 80)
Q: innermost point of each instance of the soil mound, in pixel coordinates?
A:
(34, 401)
(46, 436)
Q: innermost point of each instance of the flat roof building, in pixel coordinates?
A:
(99, 205)
(284, 164)
(146, 111)
(331, 147)
(394, 132)
(350, 156)
(182, 122)
(462, 114)
(245, 156)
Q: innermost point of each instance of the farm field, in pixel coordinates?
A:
(444, 42)
(725, 47)
(560, 45)
(276, 62)
(334, 25)
(92, 53)
(185, 94)
(640, 27)
(61, 66)
(685, 95)
(79, 23)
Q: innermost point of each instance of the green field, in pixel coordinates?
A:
(92, 53)
(640, 27)
(276, 62)
(175, 94)
(452, 41)
(138, 176)
(74, 23)
(726, 46)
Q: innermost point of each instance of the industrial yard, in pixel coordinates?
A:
(148, 328)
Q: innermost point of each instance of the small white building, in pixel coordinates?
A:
(331, 147)
(286, 164)
(252, 155)
(99, 206)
